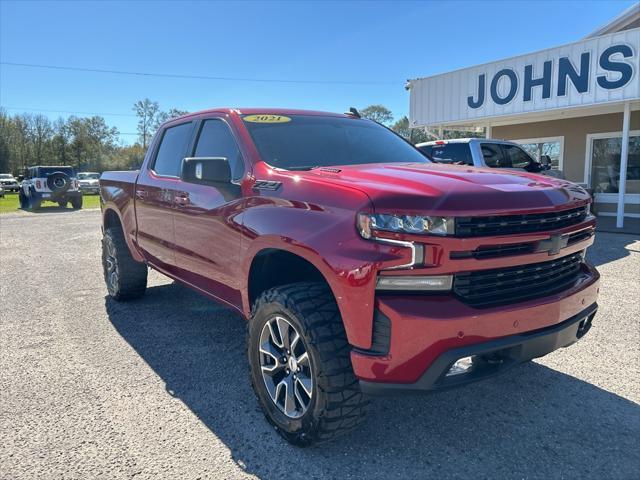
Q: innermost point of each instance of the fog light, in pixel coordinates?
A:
(415, 282)
(464, 365)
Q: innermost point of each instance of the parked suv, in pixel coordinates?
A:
(483, 152)
(361, 266)
(89, 182)
(9, 183)
(52, 184)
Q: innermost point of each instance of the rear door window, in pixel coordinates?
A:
(494, 156)
(173, 148)
(457, 153)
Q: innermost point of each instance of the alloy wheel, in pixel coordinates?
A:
(111, 264)
(286, 367)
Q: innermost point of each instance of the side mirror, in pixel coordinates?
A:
(206, 170)
(545, 161)
(20, 178)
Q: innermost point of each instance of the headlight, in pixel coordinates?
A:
(368, 223)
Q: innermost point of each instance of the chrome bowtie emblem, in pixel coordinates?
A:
(553, 245)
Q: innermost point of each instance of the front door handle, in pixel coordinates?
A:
(182, 199)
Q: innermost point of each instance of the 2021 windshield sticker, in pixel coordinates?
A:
(266, 119)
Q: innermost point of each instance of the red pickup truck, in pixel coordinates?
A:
(361, 267)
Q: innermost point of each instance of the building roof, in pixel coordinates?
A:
(628, 19)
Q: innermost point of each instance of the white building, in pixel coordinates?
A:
(579, 102)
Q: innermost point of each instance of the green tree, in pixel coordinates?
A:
(6, 131)
(41, 132)
(60, 142)
(162, 117)
(147, 112)
(22, 151)
(378, 113)
(413, 135)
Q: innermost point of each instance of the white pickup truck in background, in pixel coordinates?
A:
(485, 152)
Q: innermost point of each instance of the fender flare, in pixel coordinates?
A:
(288, 245)
(110, 207)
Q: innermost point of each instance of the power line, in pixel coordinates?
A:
(204, 77)
(70, 112)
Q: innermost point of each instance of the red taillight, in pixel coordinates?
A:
(38, 184)
(440, 142)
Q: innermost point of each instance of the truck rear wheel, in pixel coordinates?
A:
(300, 366)
(126, 279)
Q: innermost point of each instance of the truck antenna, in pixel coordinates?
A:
(354, 112)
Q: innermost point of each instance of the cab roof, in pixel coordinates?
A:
(266, 111)
(465, 140)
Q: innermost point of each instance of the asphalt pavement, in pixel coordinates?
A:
(158, 388)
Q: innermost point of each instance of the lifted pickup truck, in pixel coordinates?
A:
(361, 266)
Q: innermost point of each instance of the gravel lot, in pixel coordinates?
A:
(159, 387)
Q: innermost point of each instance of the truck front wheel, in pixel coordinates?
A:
(76, 202)
(300, 366)
(126, 279)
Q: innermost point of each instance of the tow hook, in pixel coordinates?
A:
(584, 326)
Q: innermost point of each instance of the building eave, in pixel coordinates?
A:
(626, 18)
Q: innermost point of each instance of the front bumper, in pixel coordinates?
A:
(492, 358)
(426, 332)
(90, 188)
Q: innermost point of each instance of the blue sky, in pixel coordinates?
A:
(322, 41)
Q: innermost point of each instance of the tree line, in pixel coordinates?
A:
(86, 143)
(90, 144)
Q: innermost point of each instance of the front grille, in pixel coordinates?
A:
(493, 251)
(486, 288)
(580, 236)
(511, 249)
(508, 224)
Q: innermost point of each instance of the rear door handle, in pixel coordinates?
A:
(182, 199)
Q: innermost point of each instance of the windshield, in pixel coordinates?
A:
(6, 175)
(88, 176)
(298, 142)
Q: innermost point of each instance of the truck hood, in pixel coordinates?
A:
(455, 190)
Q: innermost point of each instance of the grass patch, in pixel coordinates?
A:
(10, 203)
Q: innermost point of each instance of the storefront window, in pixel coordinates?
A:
(605, 165)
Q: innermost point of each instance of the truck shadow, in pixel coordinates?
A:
(609, 247)
(503, 427)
